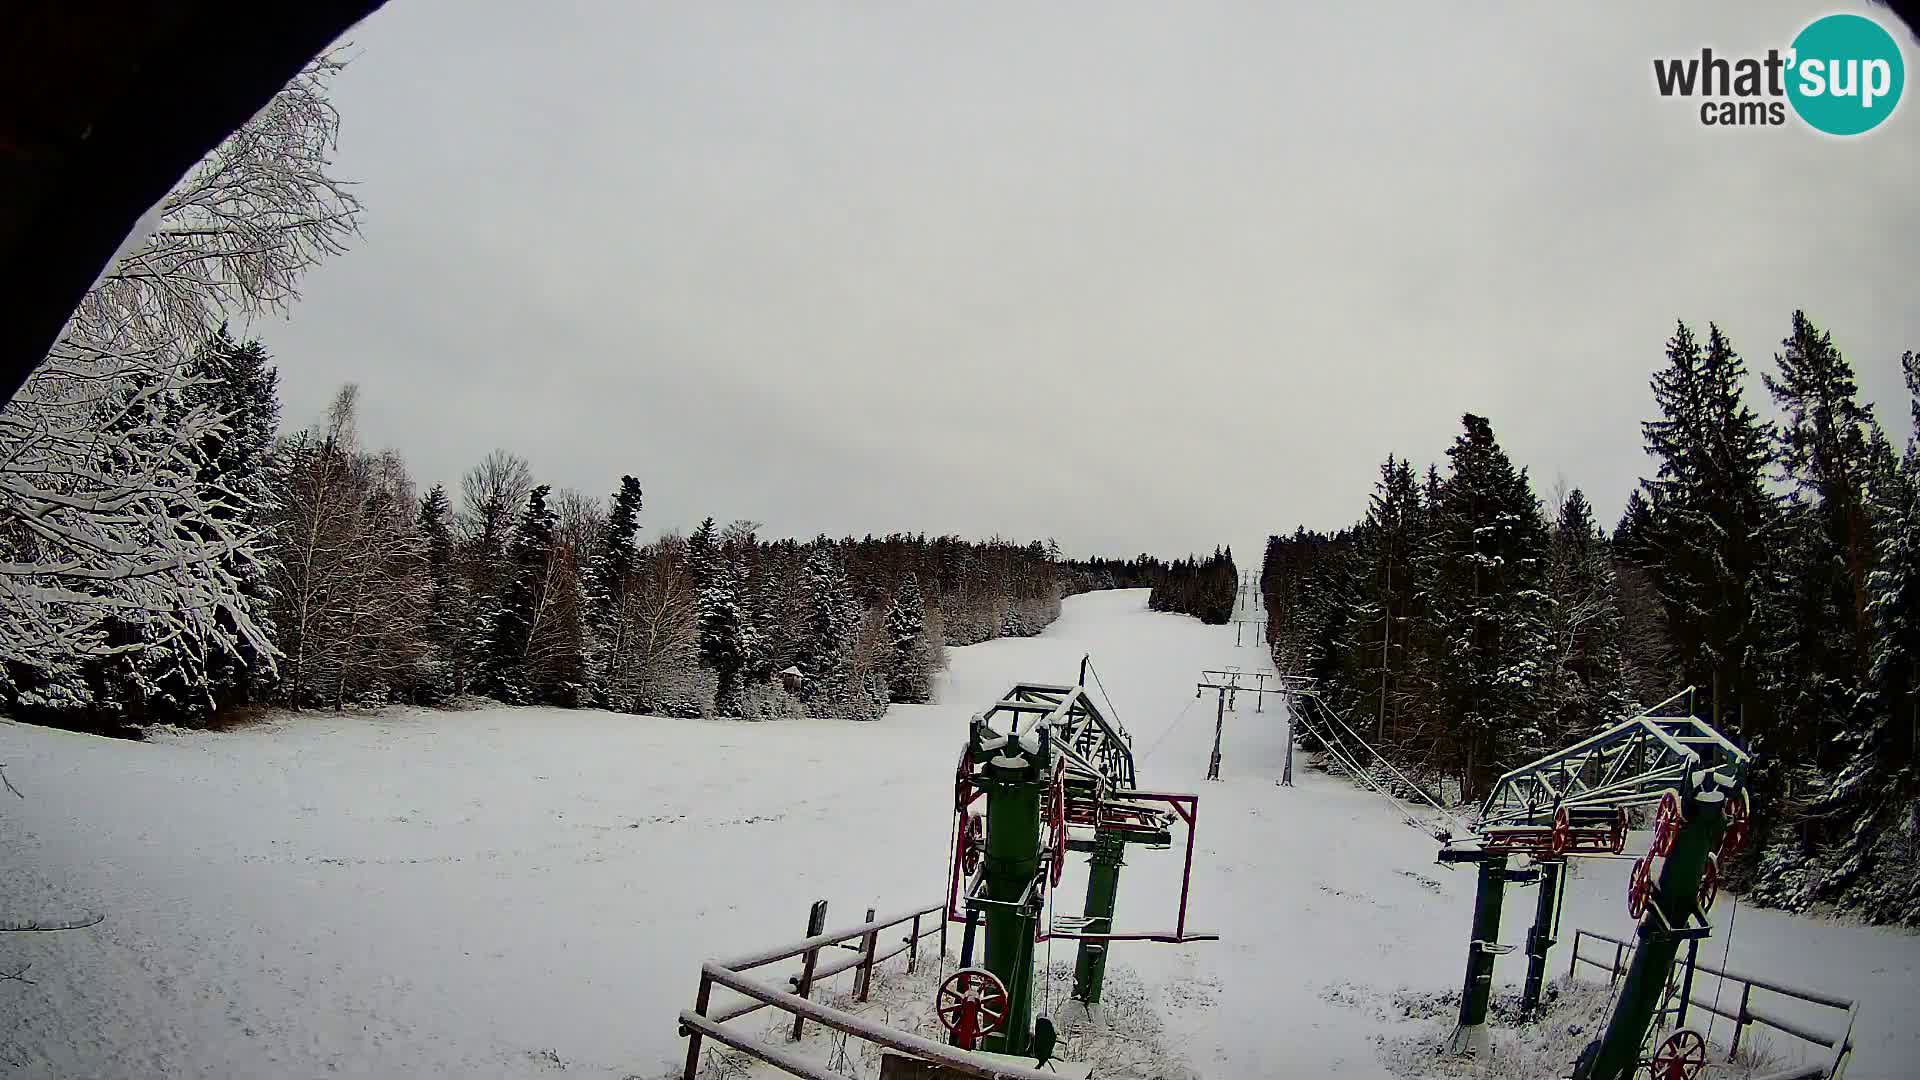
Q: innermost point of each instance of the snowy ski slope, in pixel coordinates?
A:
(528, 893)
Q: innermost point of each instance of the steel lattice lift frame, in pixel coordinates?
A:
(1040, 765)
(1575, 802)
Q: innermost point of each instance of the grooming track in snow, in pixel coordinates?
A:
(529, 893)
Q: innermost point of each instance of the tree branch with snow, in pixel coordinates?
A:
(111, 539)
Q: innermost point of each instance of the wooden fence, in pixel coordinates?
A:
(817, 963)
(1839, 1045)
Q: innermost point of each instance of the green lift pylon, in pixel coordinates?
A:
(1540, 937)
(1476, 994)
(1014, 782)
(1673, 915)
(1107, 853)
(1103, 890)
(1054, 762)
(1574, 802)
(1470, 1034)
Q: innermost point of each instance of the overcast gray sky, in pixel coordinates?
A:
(1138, 276)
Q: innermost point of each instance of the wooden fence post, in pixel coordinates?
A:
(1740, 1025)
(913, 945)
(869, 945)
(816, 925)
(693, 1037)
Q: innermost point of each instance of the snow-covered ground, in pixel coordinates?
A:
(528, 893)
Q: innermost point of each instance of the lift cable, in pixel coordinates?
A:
(1112, 709)
(1347, 762)
(1725, 955)
(953, 852)
(1416, 788)
(1169, 731)
(1406, 818)
(1399, 804)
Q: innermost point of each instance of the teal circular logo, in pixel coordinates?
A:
(1847, 74)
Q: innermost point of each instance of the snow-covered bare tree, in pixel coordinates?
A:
(663, 673)
(350, 569)
(103, 515)
(384, 655)
(494, 492)
(492, 496)
(869, 664)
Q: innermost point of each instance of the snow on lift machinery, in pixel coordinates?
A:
(1043, 773)
(1574, 803)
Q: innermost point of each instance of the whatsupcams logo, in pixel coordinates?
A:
(1842, 75)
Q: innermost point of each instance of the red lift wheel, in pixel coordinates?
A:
(1709, 884)
(963, 784)
(973, 843)
(1640, 886)
(971, 1004)
(1666, 824)
(1619, 837)
(1681, 1057)
(1737, 806)
(1561, 838)
(1735, 838)
(1057, 821)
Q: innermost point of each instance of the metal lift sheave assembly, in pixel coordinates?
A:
(1574, 803)
(1044, 772)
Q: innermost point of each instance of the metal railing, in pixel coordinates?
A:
(702, 1022)
(1839, 1046)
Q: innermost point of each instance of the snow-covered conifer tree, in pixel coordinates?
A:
(1713, 522)
(1490, 608)
(723, 633)
(912, 669)
(1583, 686)
(536, 643)
(446, 617)
(832, 616)
(1377, 653)
(1822, 653)
(609, 576)
(1875, 866)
